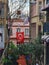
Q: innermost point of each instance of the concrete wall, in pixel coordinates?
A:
(35, 19)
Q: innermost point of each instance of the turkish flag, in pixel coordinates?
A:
(20, 37)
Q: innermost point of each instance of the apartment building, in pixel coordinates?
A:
(46, 28)
(46, 8)
(37, 18)
(19, 25)
(3, 21)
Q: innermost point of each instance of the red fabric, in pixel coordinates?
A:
(21, 60)
(20, 37)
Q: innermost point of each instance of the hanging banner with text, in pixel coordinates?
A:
(20, 37)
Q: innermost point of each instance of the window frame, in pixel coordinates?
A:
(2, 10)
(39, 6)
(18, 30)
(26, 31)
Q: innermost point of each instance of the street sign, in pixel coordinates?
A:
(20, 37)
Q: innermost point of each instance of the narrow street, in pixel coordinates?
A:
(24, 32)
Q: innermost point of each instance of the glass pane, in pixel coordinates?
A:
(18, 29)
(26, 31)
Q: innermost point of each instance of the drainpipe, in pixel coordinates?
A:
(44, 34)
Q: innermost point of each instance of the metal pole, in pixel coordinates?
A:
(44, 53)
(30, 20)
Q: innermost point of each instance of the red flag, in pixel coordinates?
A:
(20, 37)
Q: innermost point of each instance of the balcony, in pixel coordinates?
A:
(47, 1)
(45, 8)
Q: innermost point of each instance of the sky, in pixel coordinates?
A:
(26, 9)
(14, 4)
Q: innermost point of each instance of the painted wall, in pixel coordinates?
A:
(19, 23)
(35, 19)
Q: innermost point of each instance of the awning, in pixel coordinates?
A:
(45, 38)
(45, 8)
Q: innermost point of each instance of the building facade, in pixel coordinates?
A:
(37, 18)
(3, 21)
(46, 29)
(19, 25)
(46, 8)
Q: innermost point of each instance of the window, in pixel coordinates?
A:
(2, 13)
(40, 6)
(10, 31)
(1, 10)
(39, 29)
(26, 31)
(47, 16)
(41, 16)
(18, 29)
(1, 37)
(39, 10)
